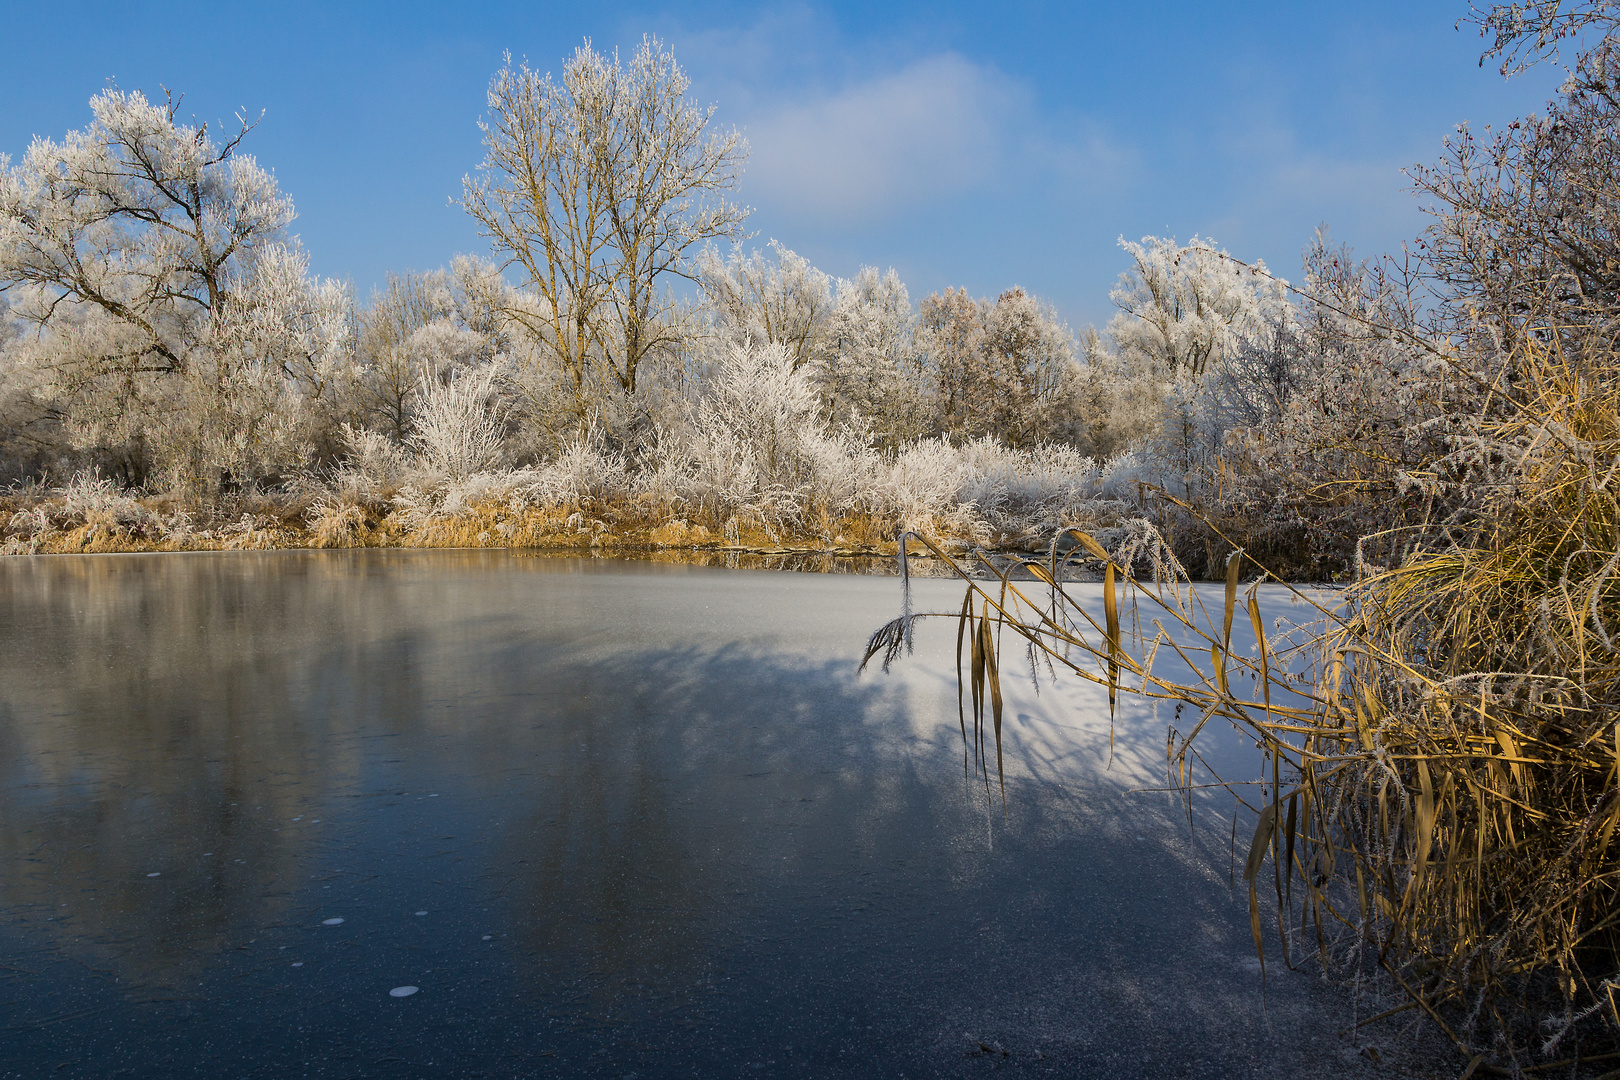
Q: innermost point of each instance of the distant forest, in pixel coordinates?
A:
(619, 366)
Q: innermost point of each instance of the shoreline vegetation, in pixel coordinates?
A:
(268, 524)
(981, 497)
(1441, 797)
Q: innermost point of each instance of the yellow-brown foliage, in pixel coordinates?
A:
(37, 528)
(1446, 791)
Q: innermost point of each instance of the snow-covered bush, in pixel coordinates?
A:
(89, 499)
(756, 444)
(456, 425)
(918, 483)
(584, 474)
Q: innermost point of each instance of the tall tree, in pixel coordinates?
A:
(596, 185)
(778, 299)
(167, 304)
(1005, 368)
(1182, 307)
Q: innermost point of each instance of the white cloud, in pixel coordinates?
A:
(846, 132)
(938, 128)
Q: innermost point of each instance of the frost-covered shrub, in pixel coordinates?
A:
(755, 443)
(456, 426)
(585, 472)
(657, 483)
(28, 529)
(1183, 307)
(1125, 475)
(374, 463)
(107, 517)
(919, 483)
(361, 485)
(456, 496)
(89, 499)
(1044, 481)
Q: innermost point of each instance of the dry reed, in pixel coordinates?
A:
(1442, 789)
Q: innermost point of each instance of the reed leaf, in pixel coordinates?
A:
(1452, 759)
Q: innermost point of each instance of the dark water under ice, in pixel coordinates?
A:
(609, 819)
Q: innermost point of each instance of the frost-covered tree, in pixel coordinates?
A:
(1526, 32)
(420, 328)
(853, 336)
(1115, 406)
(1182, 307)
(1524, 245)
(1291, 440)
(777, 298)
(869, 372)
(172, 319)
(596, 185)
(31, 440)
(1005, 368)
(427, 329)
(391, 346)
(277, 379)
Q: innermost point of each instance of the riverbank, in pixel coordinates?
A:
(92, 516)
(55, 527)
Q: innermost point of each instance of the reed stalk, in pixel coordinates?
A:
(1443, 789)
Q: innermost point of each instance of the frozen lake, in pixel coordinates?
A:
(608, 818)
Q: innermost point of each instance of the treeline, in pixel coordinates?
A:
(621, 360)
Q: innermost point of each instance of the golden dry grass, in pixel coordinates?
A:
(35, 525)
(1444, 792)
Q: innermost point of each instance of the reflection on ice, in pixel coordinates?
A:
(658, 799)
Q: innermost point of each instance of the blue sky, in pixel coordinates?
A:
(963, 144)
